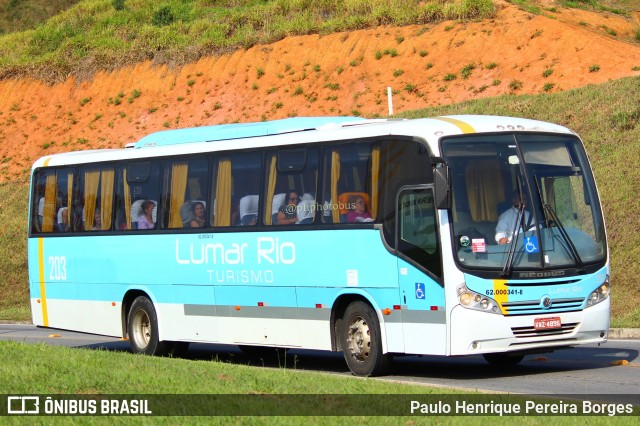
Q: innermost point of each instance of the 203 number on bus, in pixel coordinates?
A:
(58, 268)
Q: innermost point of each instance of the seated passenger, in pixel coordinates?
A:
(198, 215)
(145, 218)
(507, 221)
(305, 211)
(287, 214)
(97, 220)
(358, 210)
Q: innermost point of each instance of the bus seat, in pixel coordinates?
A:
(249, 206)
(343, 203)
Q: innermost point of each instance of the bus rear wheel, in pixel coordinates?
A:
(142, 325)
(362, 341)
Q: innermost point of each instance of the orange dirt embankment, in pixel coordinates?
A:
(338, 74)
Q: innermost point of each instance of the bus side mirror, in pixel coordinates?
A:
(442, 186)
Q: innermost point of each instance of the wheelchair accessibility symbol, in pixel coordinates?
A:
(531, 245)
(420, 291)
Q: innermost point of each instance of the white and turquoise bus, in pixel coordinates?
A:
(370, 237)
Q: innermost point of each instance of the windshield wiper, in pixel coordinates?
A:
(572, 248)
(506, 269)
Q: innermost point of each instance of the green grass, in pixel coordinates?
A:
(607, 117)
(20, 15)
(92, 35)
(43, 370)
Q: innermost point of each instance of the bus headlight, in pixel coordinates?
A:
(599, 294)
(472, 300)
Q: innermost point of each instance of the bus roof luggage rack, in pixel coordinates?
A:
(245, 130)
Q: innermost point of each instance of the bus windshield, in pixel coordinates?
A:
(523, 201)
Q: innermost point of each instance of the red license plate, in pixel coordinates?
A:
(547, 323)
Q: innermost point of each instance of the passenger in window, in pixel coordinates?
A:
(97, 220)
(305, 211)
(198, 215)
(63, 219)
(507, 221)
(145, 219)
(359, 211)
(287, 214)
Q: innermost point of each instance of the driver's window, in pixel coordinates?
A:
(417, 229)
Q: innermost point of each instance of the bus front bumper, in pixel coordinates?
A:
(474, 332)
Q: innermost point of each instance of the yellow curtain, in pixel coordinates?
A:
(127, 199)
(106, 199)
(335, 176)
(485, 189)
(50, 197)
(223, 194)
(271, 190)
(179, 175)
(69, 199)
(91, 182)
(375, 177)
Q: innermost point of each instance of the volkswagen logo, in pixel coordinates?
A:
(546, 302)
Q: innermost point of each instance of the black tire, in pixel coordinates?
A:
(142, 326)
(362, 341)
(503, 359)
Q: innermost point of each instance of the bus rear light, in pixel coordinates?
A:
(262, 304)
(397, 307)
(320, 306)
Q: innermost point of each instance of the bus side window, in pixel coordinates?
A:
(186, 182)
(417, 236)
(234, 177)
(136, 182)
(290, 171)
(350, 170)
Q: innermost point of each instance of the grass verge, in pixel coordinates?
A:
(44, 370)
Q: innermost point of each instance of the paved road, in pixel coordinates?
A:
(611, 370)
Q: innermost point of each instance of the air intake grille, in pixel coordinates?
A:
(528, 307)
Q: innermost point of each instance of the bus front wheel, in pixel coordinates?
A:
(142, 325)
(362, 341)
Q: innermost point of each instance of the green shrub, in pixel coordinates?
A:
(162, 17)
